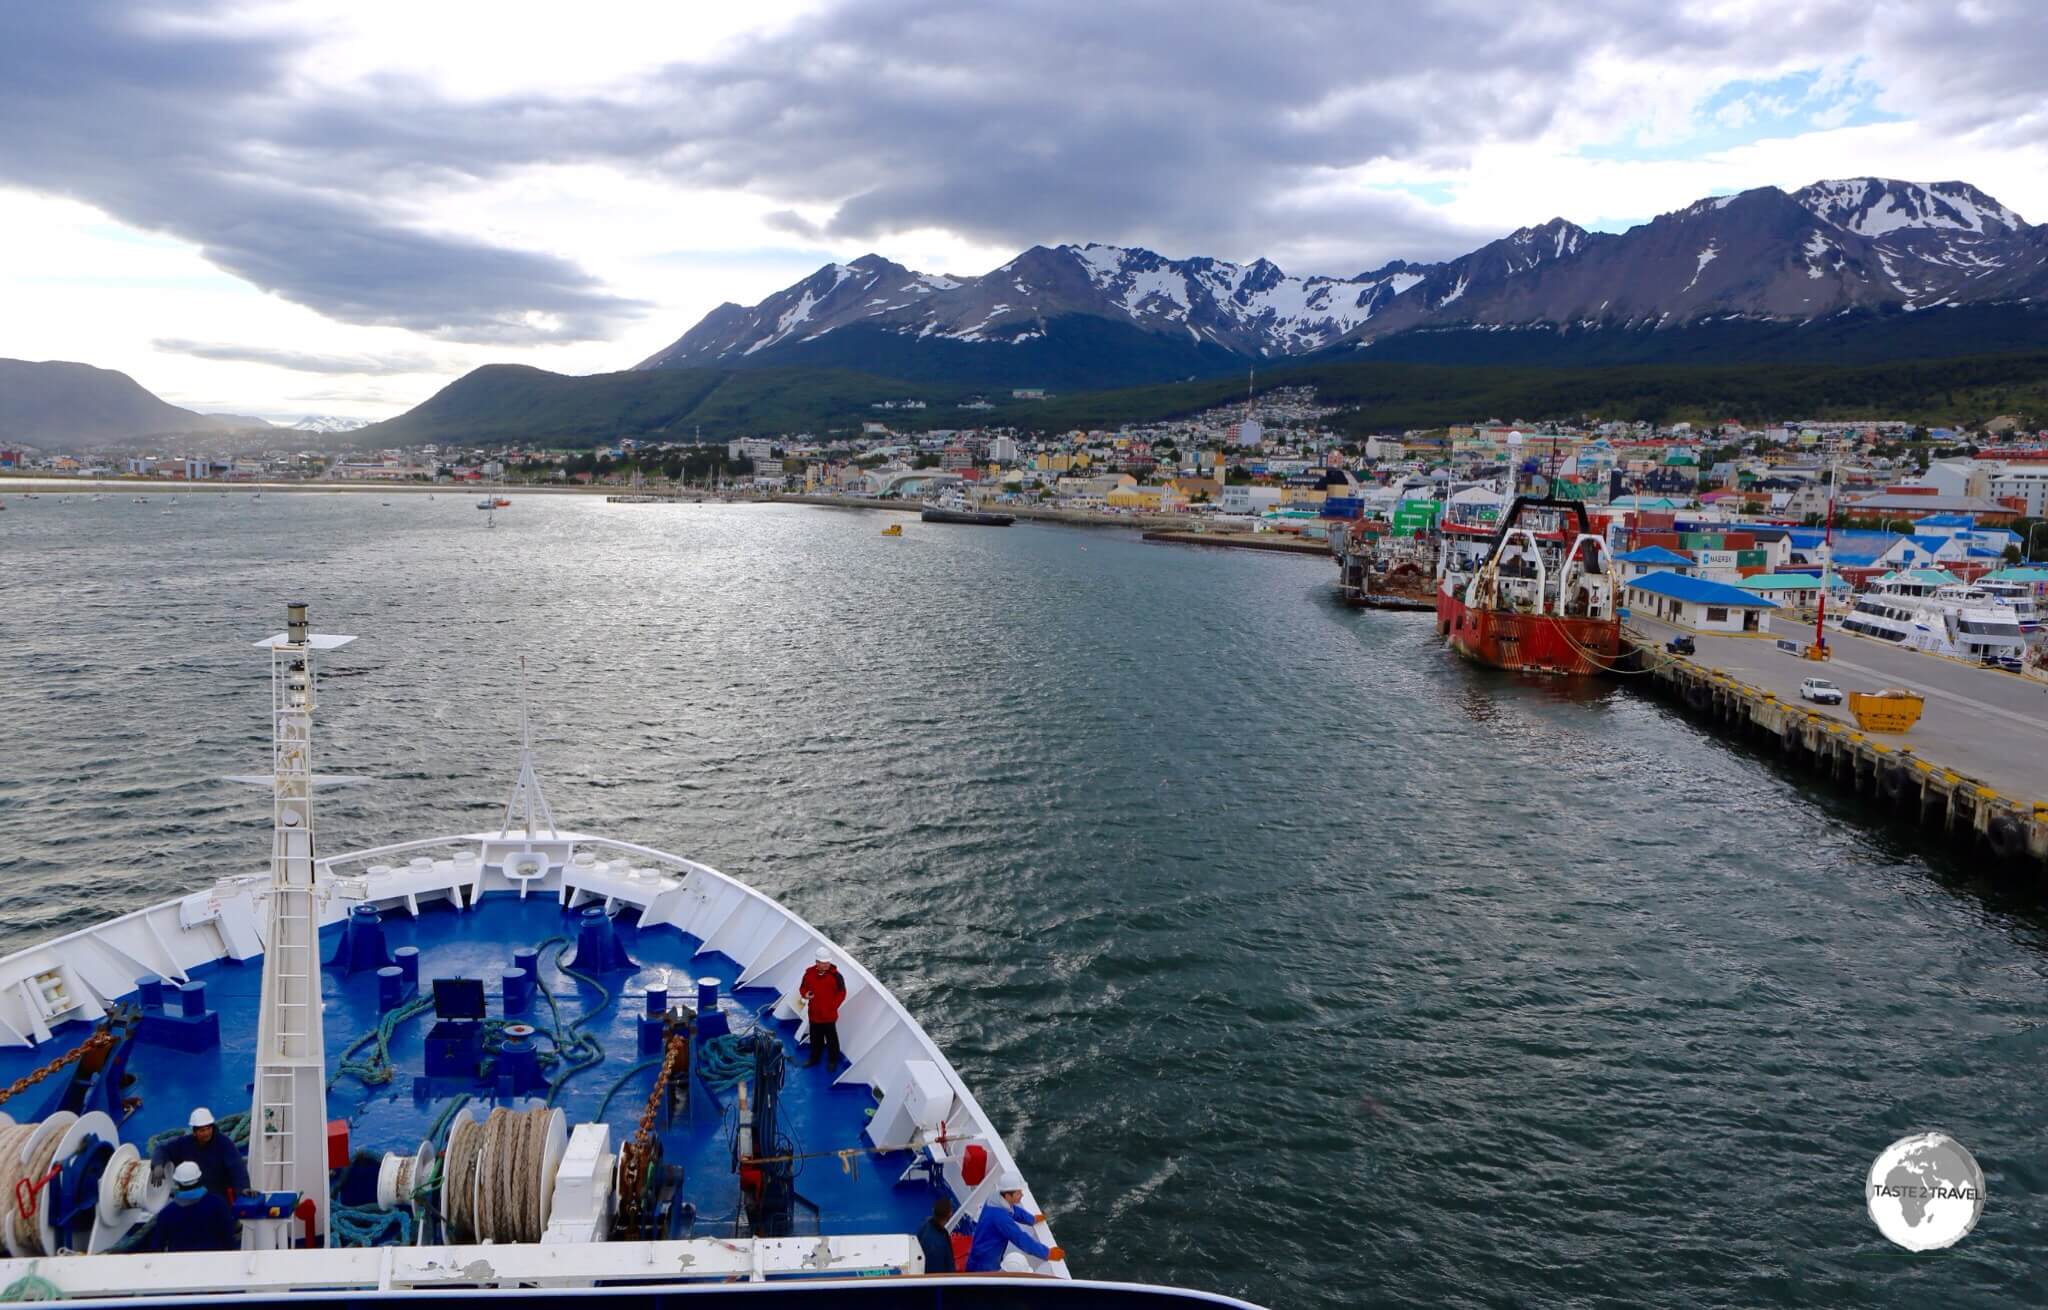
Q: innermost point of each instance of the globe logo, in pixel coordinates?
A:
(1925, 1191)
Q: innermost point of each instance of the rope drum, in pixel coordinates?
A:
(494, 1175)
(38, 1142)
(130, 1186)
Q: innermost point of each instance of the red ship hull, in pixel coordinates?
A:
(1528, 643)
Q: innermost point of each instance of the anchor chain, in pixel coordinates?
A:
(100, 1041)
(639, 1152)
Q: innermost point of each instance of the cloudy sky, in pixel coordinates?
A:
(290, 208)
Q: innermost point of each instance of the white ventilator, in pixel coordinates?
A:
(288, 1116)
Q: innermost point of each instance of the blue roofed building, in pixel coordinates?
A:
(1697, 604)
(1945, 525)
(1795, 590)
(1649, 559)
(1924, 552)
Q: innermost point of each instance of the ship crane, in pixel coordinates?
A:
(288, 1113)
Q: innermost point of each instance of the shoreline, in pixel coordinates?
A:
(17, 484)
(1082, 518)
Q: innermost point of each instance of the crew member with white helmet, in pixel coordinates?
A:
(1005, 1223)
(196, 1219)
(823, 989)
(220, 1163)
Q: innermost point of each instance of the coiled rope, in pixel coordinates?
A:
(32, 1286)
(368, 1226)
(493, 1173)
(723, 1062)
(25, 1232)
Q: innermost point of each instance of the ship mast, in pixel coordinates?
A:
(288, 1117)
(526, 803)
(1827, 554)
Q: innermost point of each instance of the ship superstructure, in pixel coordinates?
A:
(1536, 596)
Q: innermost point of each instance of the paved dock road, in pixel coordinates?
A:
(1988, 725)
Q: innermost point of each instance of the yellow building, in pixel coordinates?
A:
(1138, 498)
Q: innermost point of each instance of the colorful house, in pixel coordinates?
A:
(1697, 604)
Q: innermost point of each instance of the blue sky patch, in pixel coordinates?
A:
(1745, 111)
(1431, 193)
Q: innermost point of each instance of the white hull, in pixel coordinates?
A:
(80, 975)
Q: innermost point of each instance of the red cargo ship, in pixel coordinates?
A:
(1539, 600)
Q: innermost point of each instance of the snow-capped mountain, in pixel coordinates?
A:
(329, 423)
(1090, 310)
(1252, 309)
(1874, 206)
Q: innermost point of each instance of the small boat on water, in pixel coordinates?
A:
(1540, 600)
(893, 530)
(952, 507)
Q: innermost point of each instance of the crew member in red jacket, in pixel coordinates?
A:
(823, 989)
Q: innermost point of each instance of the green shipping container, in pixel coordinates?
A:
(1751, 559)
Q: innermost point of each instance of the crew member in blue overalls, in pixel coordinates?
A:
(220, 1162)
(196, 1219)
(1006, 1223)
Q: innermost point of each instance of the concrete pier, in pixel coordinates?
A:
(1245, 541)
(1975, 768)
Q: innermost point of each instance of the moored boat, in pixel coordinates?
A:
(1539, 600)
(952, 507)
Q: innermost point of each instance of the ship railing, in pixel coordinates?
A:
(853, 1267)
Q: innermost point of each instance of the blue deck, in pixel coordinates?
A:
(815, 1116)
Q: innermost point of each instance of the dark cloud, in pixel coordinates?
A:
(1191, 126)
(174, 126)
(1195, 128)
(788, 220)
(302, 361)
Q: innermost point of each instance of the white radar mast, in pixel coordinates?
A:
(288, 1117)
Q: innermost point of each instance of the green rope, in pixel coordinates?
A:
(578, 1048)
(723, 1062)
(32, 1286)
(368, 1226)
(235, 1126)
(620, 1085)
(377, 1069)
(441, 1121)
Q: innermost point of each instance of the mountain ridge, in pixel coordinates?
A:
(61, 405)
(1866, 244)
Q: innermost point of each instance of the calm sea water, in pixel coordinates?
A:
(1295, 958)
